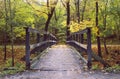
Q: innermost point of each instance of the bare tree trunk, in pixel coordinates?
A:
(6, 25)
(98, 37)
(106, 50)
(68, 18)
(12, 40)
(78, 10)
(5, 46)
(104, 23)
(83, 10)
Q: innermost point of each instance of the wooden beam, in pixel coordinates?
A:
(27, 49)
(89, 49)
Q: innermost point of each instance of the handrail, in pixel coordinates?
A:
(33, 46)
(81, 32)
(75, 36)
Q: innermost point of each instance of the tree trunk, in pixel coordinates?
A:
(68, 18)
(6, 25)
(5, 46)
(104, 23)
(98, 37)
(50, 14)
(106, 50)
(83, 10)
(12, 40)
(78, 10)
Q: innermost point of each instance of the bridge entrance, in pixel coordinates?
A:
(76, 40)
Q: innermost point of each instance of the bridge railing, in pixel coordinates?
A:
(77, 39)
(51, 39)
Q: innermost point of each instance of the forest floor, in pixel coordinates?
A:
(113, 58)
(61, 62)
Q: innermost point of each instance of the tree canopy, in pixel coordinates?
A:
(52, 14)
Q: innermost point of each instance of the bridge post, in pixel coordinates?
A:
(89, 50)
(27, 49)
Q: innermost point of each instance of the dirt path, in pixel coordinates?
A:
(60, 62)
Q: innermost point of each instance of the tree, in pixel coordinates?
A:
(78, 10)
(98, 37)
(51, 9)
(83, 10)
(68, 17)
(11, 26)
(6, 26)
(104, 14)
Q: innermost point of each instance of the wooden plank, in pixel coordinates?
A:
(43, 45)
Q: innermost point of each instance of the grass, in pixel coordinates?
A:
(115, 68)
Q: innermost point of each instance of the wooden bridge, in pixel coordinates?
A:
(58, 61)
(76, 40)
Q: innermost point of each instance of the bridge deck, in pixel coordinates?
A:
(60, 62)
(59, 58)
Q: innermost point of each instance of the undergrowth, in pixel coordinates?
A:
(8, 69)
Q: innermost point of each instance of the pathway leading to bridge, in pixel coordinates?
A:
(60, 62)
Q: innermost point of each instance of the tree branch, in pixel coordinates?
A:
(35, 9)
(63, 4)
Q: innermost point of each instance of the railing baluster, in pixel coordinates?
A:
(77, 37)
(82, 38)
